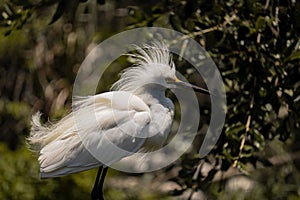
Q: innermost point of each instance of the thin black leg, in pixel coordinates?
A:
(100, 186)
(95, 192)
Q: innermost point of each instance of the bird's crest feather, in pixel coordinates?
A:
(146, 59)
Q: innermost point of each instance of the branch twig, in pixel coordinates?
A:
(245, 134)
(228, 20)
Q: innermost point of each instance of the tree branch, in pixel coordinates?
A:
(245, 134)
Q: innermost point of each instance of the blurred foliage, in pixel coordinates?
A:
(20, 179)
(255, 44)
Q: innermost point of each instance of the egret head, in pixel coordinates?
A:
(153, 68)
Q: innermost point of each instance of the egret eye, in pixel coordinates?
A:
(170, 80)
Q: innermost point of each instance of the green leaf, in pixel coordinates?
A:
(235, 129)
(61, 7)
(24, 3)
(294, 56)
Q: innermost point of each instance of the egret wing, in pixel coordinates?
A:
(101, 130)
(123, 120)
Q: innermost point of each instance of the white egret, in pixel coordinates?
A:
(61, 150)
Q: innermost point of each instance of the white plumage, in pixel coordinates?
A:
(135, 116)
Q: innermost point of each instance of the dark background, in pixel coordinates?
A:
(254, 43)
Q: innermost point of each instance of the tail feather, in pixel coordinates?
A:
(41, 135)
(37, 133)
(58, 146)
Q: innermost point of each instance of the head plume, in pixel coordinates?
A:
(151, 61)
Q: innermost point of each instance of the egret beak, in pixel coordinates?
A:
(181, 84)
